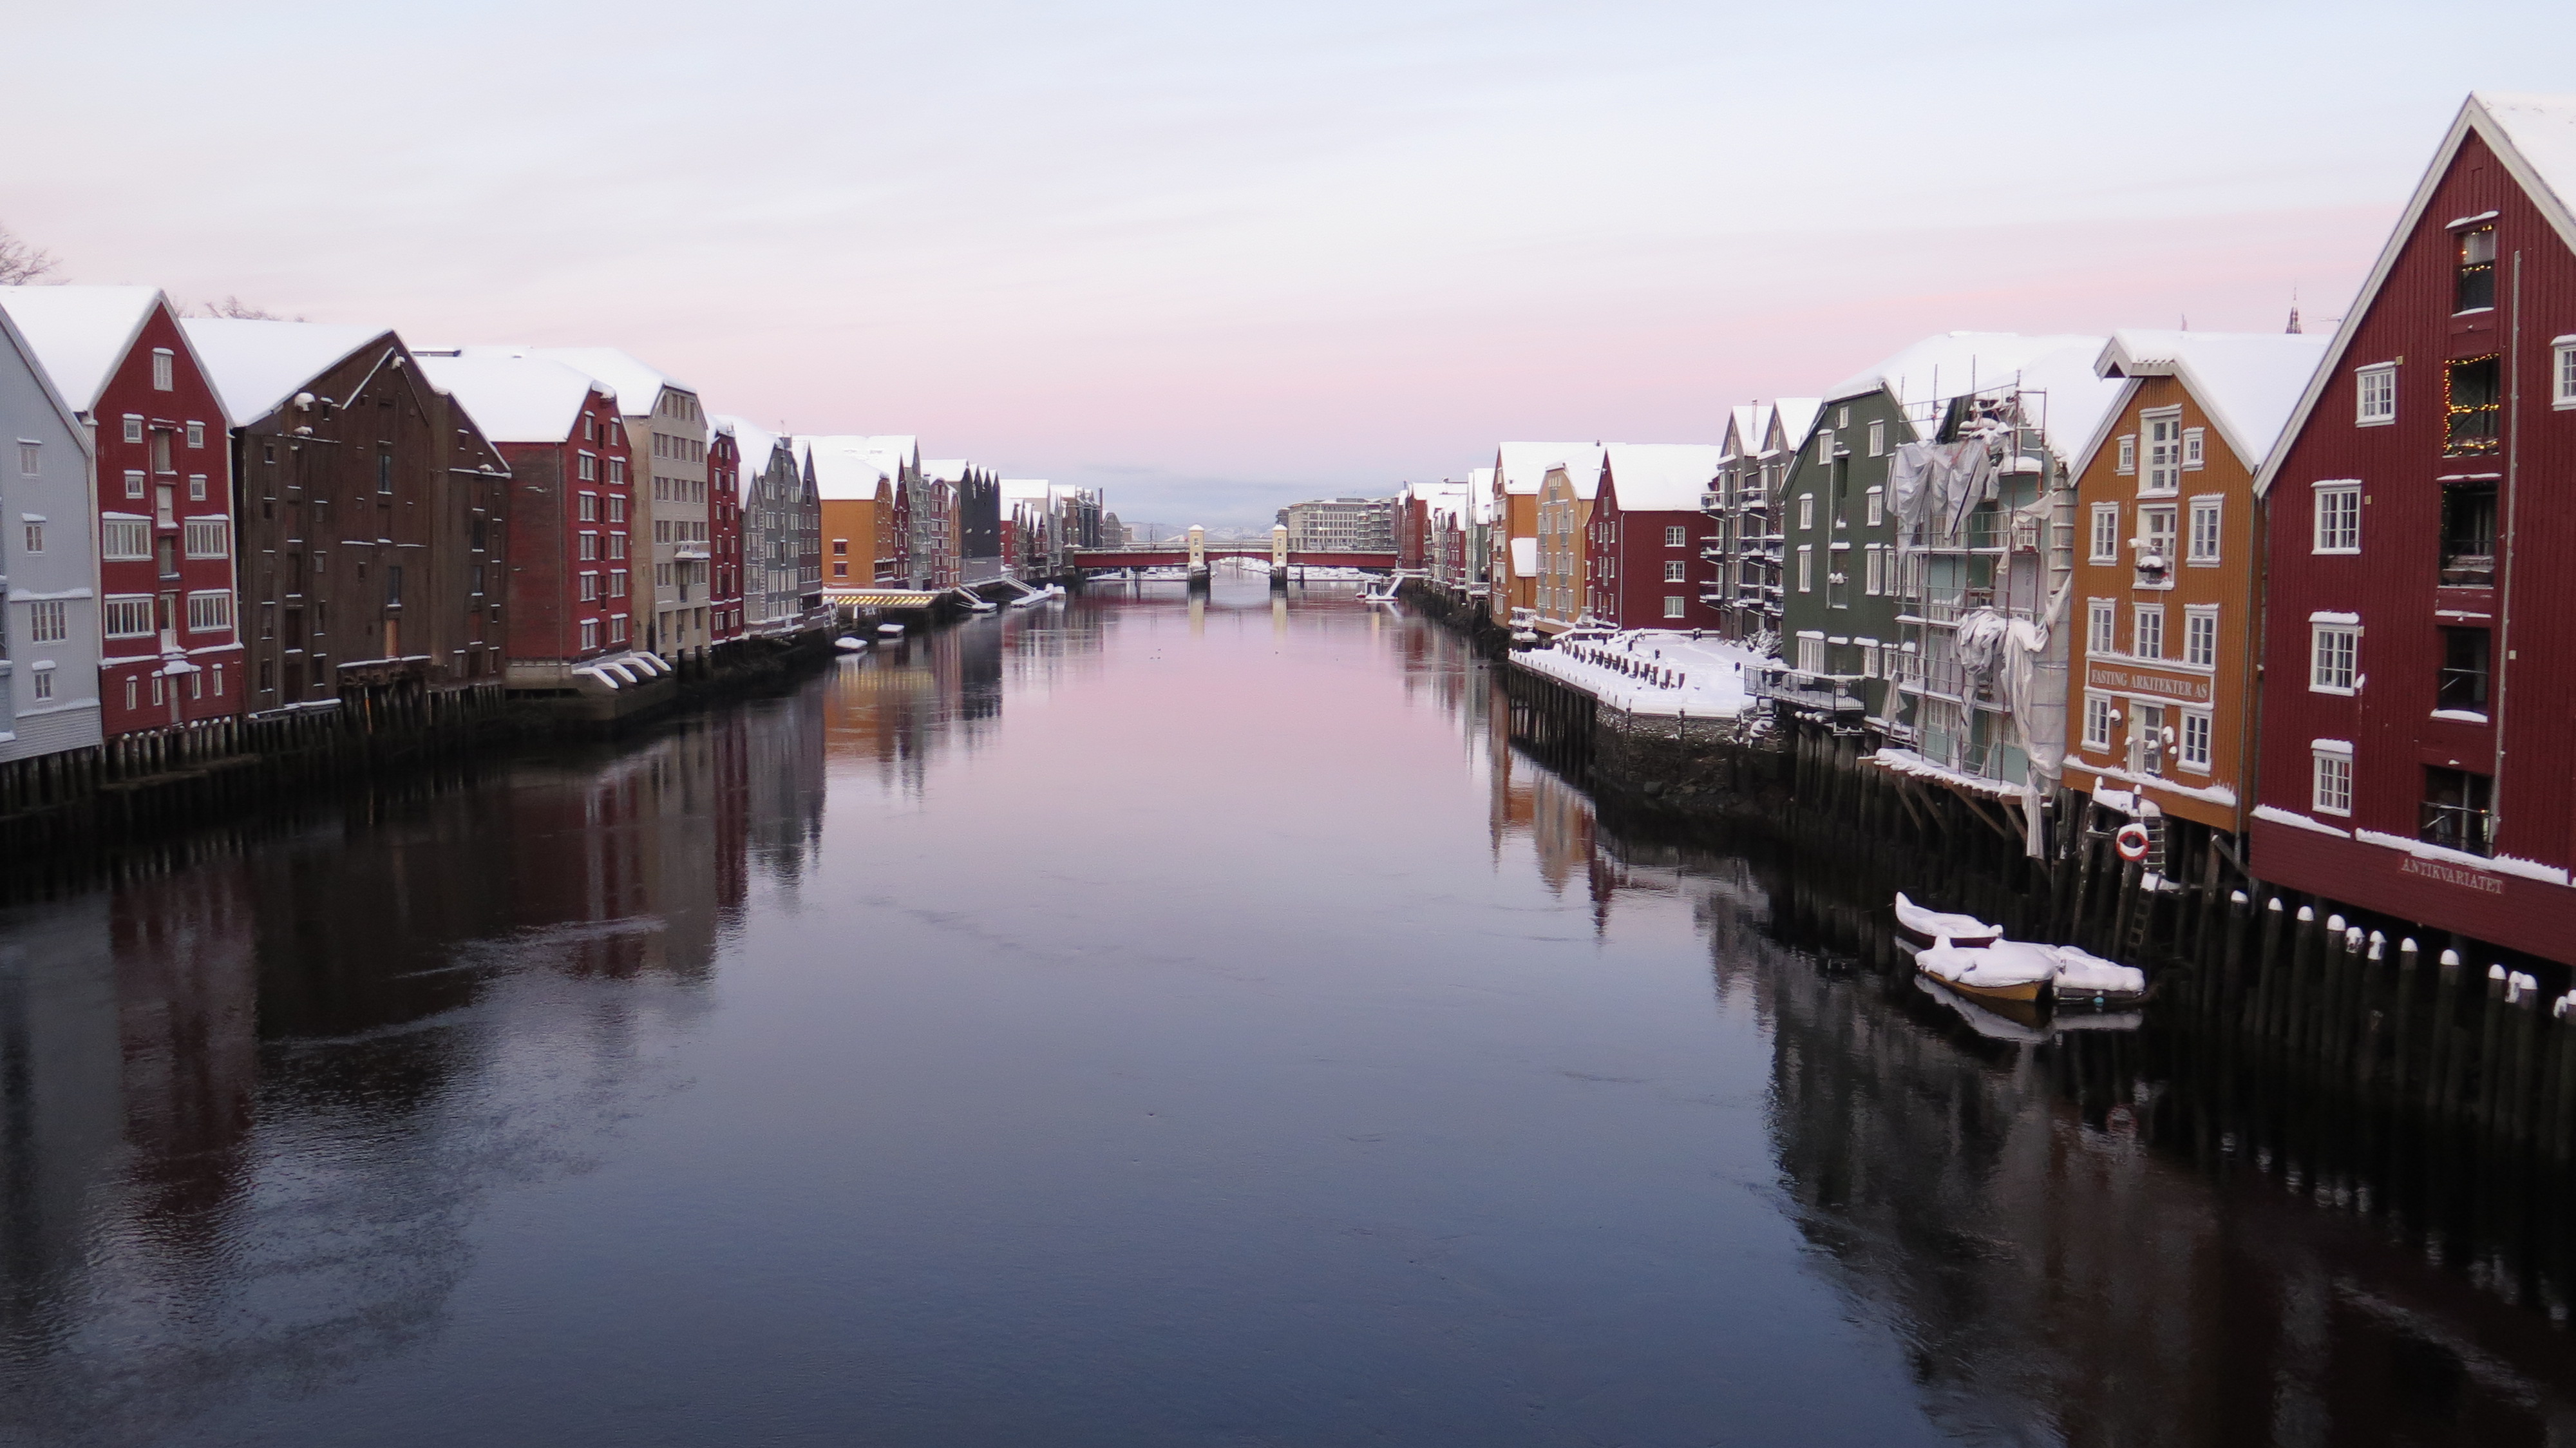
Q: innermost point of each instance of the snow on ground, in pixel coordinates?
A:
(1651, 671)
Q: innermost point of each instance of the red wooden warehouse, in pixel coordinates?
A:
(724, 536)
(2419, 655)
(1641, 548)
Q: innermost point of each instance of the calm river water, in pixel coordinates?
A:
(1139, 1022)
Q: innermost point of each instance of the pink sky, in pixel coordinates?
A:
(1213, 261)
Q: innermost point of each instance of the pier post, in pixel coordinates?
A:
(2402, 1028)
(2442, 1074)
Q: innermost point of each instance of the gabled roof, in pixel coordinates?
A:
(756, 444)
(1661, 477)
(257, 365)
(946, 470)
(844, 468)
(78, 335)
(638, 386)
(512, 396)
(64, 409)
(1792, 419)
(1524, 465)
(1026, 490)
(1745, 428)
(1924, 377)
(2534, 136)
(1585, 481)
(2246, 381)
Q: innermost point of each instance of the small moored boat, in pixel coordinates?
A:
(1926, 926)
(890, 630)
(2084, 979)
(2007, 970)
(849, 643)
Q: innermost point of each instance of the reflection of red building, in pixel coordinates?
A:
(169, 602)
(2411, 758)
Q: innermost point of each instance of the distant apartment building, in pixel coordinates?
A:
(1341, 525)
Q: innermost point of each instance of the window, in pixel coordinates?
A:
(124, 539)
(2475, 403)
(1877, 439)
(2195, 448)
(2205, 516)
(617, 629)
(2106, 533)
(2468, 534)
(2200, 636)
(1874, 579)
(162, 367)
(1824, 444)
(2375, 395)
(1875, 503)
(617, 472)
(1673, 571)
(1806, 510)
(196, 434)
(2475, 290)
(2155, 541)
(2193, 747)
(2462, 683)
(47, 623)
(617, 510)
(31, 457)
(1811, 653)
(210, 612)
(2097, 722)
(196, 487)
(2164, 455)
(44, 684)
(617, 583)
(209, 537)
(1672, 605)
(2128, 460)
(2099, 627)
(2147, 738)
(588, 547)
(2338, 518)
(586, 467)
(587, 508)
(2458, 811)
(1676, 536)
(217, 688)
(35, 534)
(1806, 568)
(133, 427)
(394, 586)
(589, 633)
(2332, 648)
(616, 545)
(2147, 632)
(134, 483)
(589, 587)
(2562, 372)
(129, 618)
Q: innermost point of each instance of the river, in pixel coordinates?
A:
(1143, 1021)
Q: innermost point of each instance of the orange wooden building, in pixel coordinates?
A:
(2167, 595)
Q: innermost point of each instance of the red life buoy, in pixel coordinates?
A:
(2132, 842)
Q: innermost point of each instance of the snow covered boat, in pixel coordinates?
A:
(890, 630)
(849, 643)
(1926, 926)
(2007, 970)
(2084, 979)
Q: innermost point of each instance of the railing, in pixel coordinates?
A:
(2457, 827)
(1823, 693)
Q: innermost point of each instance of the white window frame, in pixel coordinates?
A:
(41, 681)
(1676, 571)
(2330, 777)
(1806, 568)
(2334, 658)
(165, 370)
(1676, 536)
(31, 457)
(207, 537)
(135, 483)
(115, 531)
(1876, 504)
(2346, 541)
(2562, 372)
(2161, 475)
(1811, 653)
(2106, 533)
(1673, 606)
(210, 610)
(1825, 445)
(2192, 739)
(1874, 575)
(2195, 449)
(32, 532)
(125, 608)
(1878, 439)
(2200, 635)
(2141, 616)
(196, 434)
(2127, 460)
(2213, 509)
(48, 622)
(2101, 626)
(1806, 512)
(2097, 721)
(134, 427)
(2374, 395)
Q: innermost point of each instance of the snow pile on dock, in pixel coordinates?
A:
(1663, 672)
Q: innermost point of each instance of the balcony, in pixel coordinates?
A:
(1832, 695)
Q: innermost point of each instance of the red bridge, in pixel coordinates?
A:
(1179, 557)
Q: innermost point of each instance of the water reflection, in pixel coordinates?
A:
(1386, 1120)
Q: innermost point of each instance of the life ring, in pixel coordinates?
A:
(2132, 842)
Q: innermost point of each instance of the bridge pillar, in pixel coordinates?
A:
(1279, 557)
(1198, 559)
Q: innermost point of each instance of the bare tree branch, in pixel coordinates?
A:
(21, 262)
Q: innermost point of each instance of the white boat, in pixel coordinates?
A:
(2084, 979)
(1925, 926)
(849, 643)
(2007, 970)
(890, 630)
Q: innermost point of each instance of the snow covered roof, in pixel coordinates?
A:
(513, 397)
(13, 340)
(845, 468)
(1524, 465)
(1480, 494)
(2535, 137)
(1025, 489)
(2248, 382)
(1795, 417)
(1661, 477)
(1745, 429)
(637, 385)
(754, 443)
(79, 334)
(1923, 378)
(945, 470)
(256, 365)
